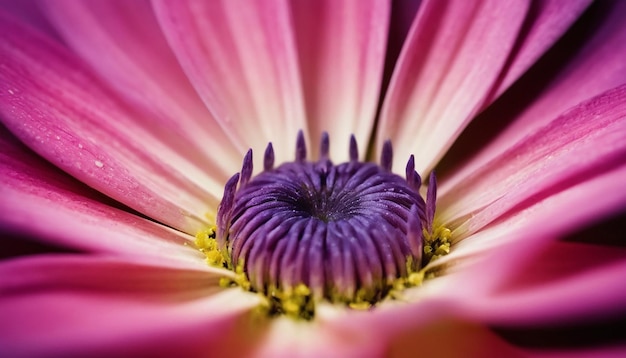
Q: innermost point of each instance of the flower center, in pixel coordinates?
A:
(307, 231)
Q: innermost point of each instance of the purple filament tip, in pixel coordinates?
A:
(300, 148)
(412, 177)
(386, 156)
(268, 158)
(354, 149)
(431, 196)
(246, 169)
(324, 146)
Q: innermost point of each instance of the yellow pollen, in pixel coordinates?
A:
(205, 242)
(299, 302)
(361, 306)
(436, 244)
(204, 239)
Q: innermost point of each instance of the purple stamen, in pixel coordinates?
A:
(354, 149)
(414, 232)
(431, 195)
(412, 177)
(268, 158)
(246, 169)
(225, 209)
(342, 230)
(324, 146)
(386, 156)
(300, 148)
(410, 170)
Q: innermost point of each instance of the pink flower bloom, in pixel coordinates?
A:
(123, 121)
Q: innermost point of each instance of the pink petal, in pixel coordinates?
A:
(547, 22)
(557, 283)
(432, 326)
(29, 12)
(450, 338)
(81, 306)
(562, 264)
(451, 60)
(522, 277)
(123, 42)
(40, 201)
(290, 338)
(241, 60)
(596, 67)
(545, 221)
(52, 104)
(359, 334)
(587, 141)
(341, 48)
(104, 273)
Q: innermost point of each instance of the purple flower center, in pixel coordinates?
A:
(345, 231)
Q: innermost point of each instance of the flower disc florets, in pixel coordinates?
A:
(343, 232)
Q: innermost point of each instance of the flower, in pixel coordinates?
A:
(124, 121)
